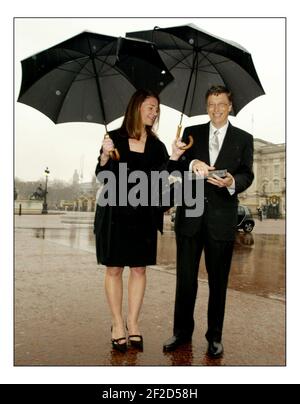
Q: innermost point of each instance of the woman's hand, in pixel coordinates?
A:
(176, 151)
(107, 147)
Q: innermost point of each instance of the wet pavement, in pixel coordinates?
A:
(61, 315)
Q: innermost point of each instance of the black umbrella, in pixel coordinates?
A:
(90, 77)
(198, 60)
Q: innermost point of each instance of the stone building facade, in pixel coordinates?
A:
(268, 188)
(86, 198)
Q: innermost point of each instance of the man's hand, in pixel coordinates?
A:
(200, 168)
(221, 182)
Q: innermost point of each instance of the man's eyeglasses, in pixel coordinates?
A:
(221, 106)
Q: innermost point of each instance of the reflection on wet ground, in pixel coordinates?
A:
(260, 269)
(184, 358)
(188, 355)
(258, 265)
(61, 318)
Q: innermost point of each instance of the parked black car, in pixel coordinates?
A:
(245, 219)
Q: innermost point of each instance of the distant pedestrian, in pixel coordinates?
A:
(260, 213)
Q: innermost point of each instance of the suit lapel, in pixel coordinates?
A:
(202, 152)
(226, 149)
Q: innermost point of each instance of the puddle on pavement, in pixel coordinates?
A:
(81, 238)
(258, 265)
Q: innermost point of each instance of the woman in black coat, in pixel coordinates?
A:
(127, 235)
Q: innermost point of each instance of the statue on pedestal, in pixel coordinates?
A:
(38, 194)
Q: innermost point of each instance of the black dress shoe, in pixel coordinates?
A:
(174, 342)
(215, 349)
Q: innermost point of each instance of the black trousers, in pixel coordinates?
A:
(218, 255)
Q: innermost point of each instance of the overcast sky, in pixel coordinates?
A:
(66, 147)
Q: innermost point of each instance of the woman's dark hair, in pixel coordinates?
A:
(132, 124)
(216, 90)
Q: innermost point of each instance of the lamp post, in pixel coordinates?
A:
(45, 206)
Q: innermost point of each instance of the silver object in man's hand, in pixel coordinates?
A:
(219, 173)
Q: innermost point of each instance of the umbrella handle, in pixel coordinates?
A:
(191, 140)
(114, 154)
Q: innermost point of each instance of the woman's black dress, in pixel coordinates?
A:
(127, 235)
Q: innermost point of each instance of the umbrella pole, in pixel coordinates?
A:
(114, 154)
(189, 84)
(191, 140)
(179, 128)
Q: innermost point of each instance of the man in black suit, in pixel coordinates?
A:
(217, 145)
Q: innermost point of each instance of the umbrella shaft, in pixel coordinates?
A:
(99, 93)
(189, 85)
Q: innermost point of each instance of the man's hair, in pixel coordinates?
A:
(216, 90)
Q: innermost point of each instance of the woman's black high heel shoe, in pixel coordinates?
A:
(116, 345)
(138, 344)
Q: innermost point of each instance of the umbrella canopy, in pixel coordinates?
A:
(90, 77)
(198, 60)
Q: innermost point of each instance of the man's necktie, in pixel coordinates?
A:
(214, 147)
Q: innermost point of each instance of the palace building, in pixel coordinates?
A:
(268, 188)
